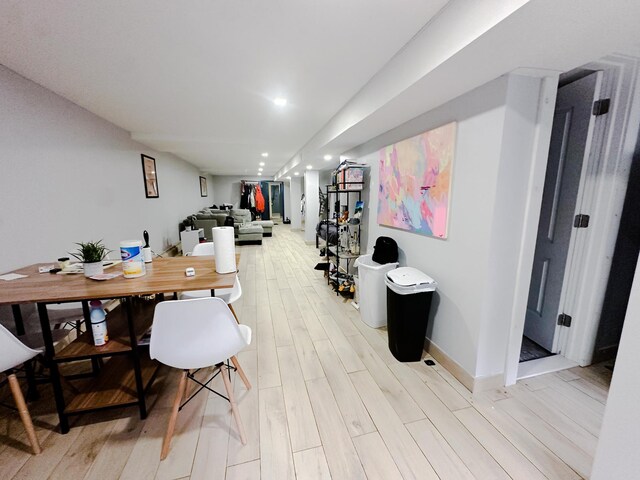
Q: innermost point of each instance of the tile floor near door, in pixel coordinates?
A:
(329, 401)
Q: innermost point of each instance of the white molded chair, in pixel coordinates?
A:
(194, 334)
(229, 295)
(12, 354)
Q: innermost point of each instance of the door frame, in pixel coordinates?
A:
(613, 142)
(281, 188)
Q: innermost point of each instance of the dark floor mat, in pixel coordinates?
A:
(530, 350)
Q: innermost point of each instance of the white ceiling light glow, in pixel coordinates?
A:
(260, 169)
(259, 174)
(309, 167)
(280, 102)
(261, 164)
(265, 154)
(296, 173)
(328, 157)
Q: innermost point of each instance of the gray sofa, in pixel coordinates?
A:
(243, 216)
(209, 218)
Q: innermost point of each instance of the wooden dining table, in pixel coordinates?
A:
(127, 374)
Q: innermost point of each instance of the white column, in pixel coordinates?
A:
(617, 453)
(311, 216)
(294, 201)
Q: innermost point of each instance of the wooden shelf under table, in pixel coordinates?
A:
(118, 328)
(114, 386)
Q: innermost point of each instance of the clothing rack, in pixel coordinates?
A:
(251, 197)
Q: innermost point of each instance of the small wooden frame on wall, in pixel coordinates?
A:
(203, 187)
(150, 176)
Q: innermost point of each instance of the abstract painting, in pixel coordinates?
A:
(415, 182)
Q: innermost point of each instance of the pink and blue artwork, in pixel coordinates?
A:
(415, 182)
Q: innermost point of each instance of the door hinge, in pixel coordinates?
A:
(564, 320)
(601, 107)
(581, 221)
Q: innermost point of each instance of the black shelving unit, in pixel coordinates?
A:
(335, 254)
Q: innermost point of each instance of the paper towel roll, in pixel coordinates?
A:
(224, 248)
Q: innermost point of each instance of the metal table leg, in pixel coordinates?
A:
(53, 367)
(86, 313)
(135, 353)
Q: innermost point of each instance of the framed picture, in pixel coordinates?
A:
(415, 182)
(203, 187)
(150, 176)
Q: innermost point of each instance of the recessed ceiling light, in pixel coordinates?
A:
(265, 154)
(296, 173)
(259, 174)
(309, 167)
(328, 157)
(289, 178)
(261, 164)
(280, 102)
(260, 169)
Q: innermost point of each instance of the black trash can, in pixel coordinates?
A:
(409, 294)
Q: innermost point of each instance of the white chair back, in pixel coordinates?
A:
(235, 292)
(229, 295)
(202, 249)
(196, 333)
(12, 351)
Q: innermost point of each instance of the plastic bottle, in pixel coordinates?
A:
(98, 323)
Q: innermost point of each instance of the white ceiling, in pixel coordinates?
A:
(467, 45)
(197, 78)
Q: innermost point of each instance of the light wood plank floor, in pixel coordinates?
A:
(329, 401)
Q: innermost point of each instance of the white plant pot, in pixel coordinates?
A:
(91, 269)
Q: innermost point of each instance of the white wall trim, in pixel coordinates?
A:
(606, 201)
(603, 199)
(535, 187)
(453, 367)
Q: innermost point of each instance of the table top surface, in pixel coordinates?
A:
(163, 275)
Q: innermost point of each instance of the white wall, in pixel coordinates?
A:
(618, 445)
(490, 169)
(311, 185)
(226, 188)
(69, 176)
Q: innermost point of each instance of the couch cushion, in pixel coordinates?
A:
(247, 229)
(205, 216)
(241, 215)
(264, 223)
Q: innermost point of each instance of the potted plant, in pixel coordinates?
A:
(91, 254)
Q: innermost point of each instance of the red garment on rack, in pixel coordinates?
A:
(259, 200)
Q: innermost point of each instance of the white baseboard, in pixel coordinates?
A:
(450, 364)
(473, 384)
(482, 384)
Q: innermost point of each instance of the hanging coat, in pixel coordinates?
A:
(244, 195)
(259, 200)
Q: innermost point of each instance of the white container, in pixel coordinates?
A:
(224, 248)
(93, 268)
(409, 280)
(98, 323)
(132, 258)
(372, 296)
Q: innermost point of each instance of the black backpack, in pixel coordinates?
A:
(385, 250)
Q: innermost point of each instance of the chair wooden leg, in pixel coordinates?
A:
(234, 313)
(234, 407)
(24, 413)
(244, 378)
(166, 443)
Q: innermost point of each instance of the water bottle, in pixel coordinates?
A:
(98, 323)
